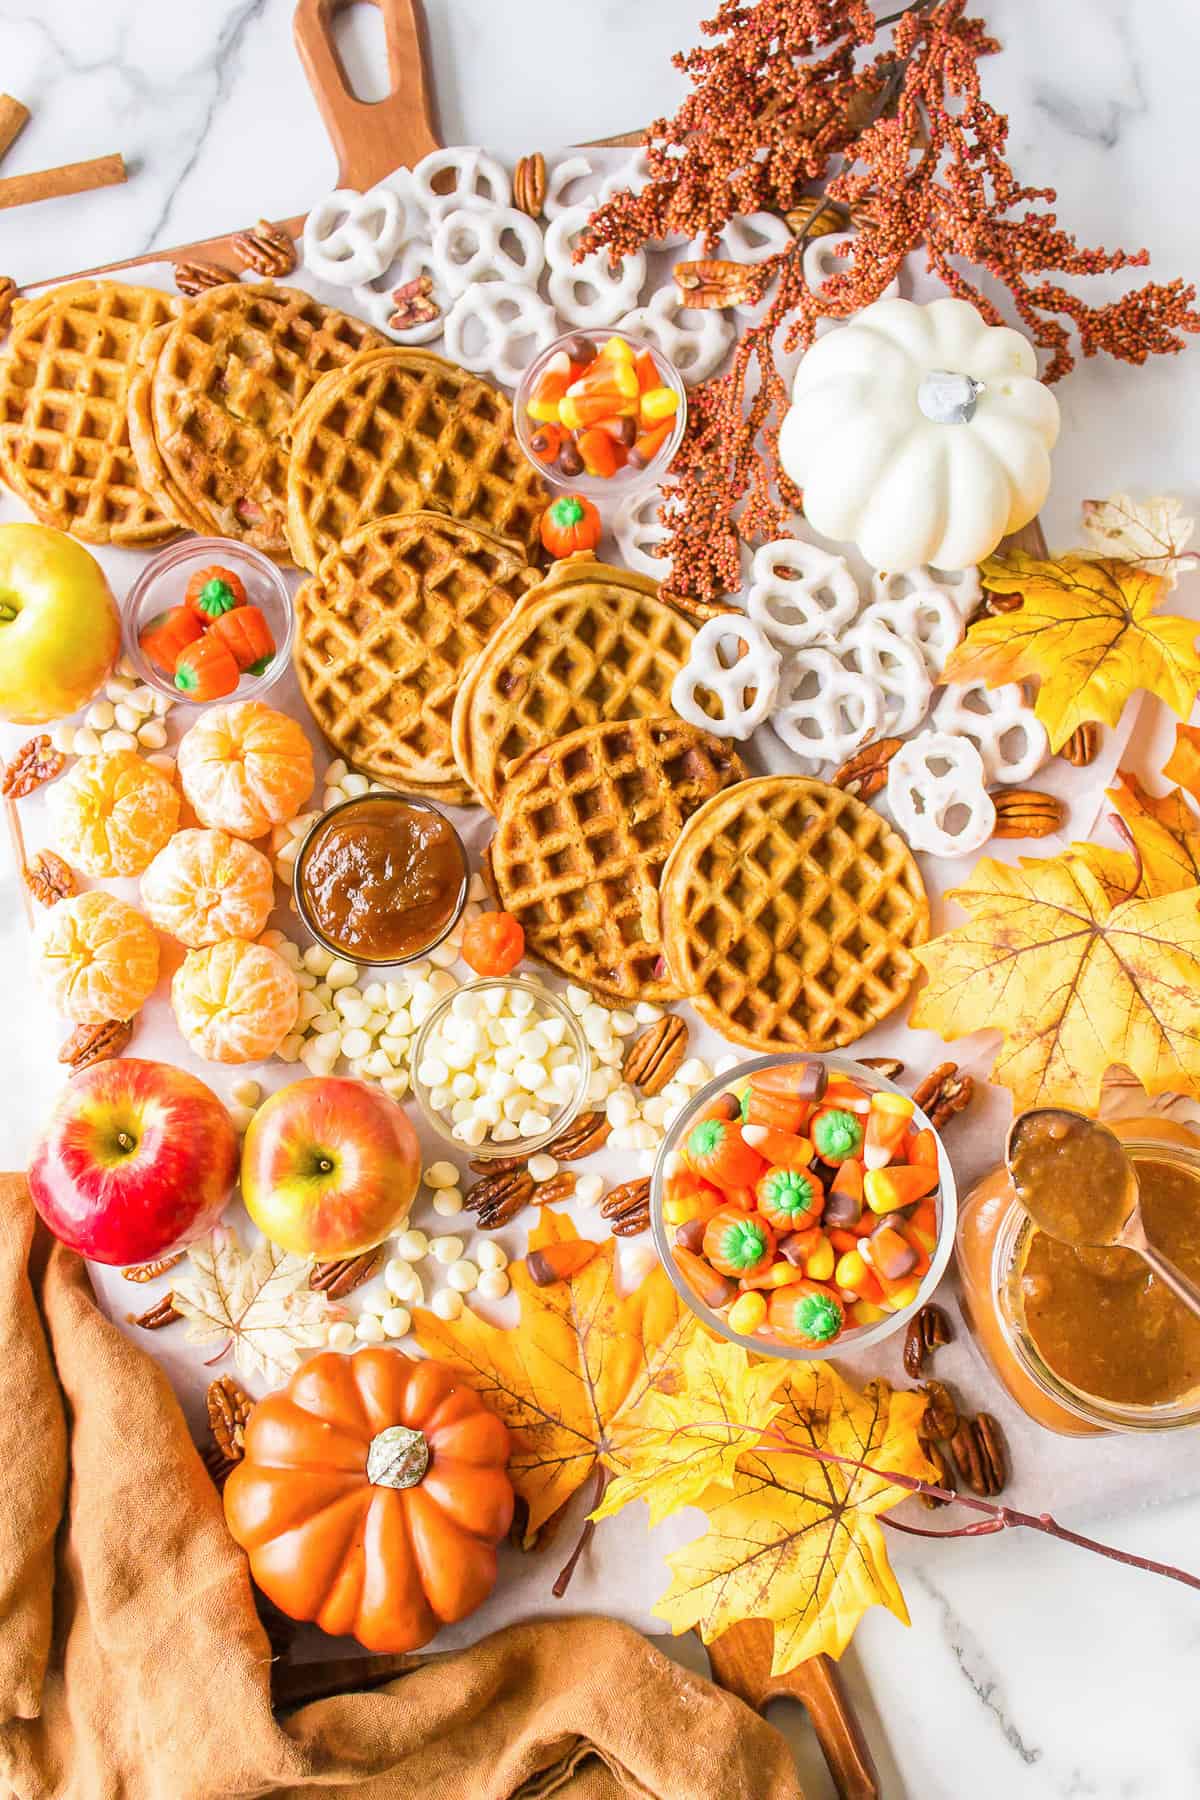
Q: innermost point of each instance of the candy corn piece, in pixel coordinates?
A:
(921, 1226)
(647, 371)
(715, 1290)
(558, 1262)
(844, 1201)
(782, 1148)
(647, 446)
(898, 1185)
(887, 1123)
(658, 404)
(746, 1314)
(923, 1149)
(819, 1266)
(778, 1275)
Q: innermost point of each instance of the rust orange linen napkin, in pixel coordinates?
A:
(133, 1665)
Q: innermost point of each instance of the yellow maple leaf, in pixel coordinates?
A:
(797, 1541)
(571, 1380)
(1166, 831)
(1072, 974)
(691, 1439)
(1088, 632)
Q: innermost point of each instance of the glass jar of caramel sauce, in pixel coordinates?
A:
(1088, 1340)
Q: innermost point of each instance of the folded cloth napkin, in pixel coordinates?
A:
(133, 1665)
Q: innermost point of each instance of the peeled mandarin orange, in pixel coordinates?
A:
(245, 768)
(98, 957)
(112, 814)
(205, 886)
(235, 1002)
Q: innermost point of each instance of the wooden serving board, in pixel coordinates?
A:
(371, 140)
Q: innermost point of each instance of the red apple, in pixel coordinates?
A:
(329, 1167)
(137, 1160)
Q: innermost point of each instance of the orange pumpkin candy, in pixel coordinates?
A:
(372, 1496)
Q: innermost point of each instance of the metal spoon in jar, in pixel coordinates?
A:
(1073, 1178)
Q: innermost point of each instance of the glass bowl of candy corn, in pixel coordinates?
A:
(600, 408)
(803, 1205)
(209, 619)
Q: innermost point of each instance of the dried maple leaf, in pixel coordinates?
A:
(572, 1380)
(797, 1541)
(259, 1305)
(1072, 974)
(691, 1439)
(1087, 630)
(1152, 533)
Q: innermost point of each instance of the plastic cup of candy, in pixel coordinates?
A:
(803, 1206)
(600, 412)
(247, 632)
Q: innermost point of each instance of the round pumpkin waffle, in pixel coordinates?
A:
(387, 630)
(64, 429)
(789, 915)
(589, 643)
(585, 826)
(213, 401)
(399, 431)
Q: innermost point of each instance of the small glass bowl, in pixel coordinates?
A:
(343, 951)
(161, 585)
(627, 478)
(861, 1337)
(550, 1006)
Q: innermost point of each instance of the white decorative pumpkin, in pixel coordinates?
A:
(920, 433)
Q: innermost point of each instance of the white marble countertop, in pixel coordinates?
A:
(1030, 1668)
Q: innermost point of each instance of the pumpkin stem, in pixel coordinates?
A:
(948, 399)
(601, 1480)
(398, 1457)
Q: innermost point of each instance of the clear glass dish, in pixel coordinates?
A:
(161, 586)
(625, 479)
(860, 1337)
(546, 1005)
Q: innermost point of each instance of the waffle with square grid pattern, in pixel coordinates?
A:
(64, 430)
(211, 407)
(404, 430)
(387, 630)
(790, 911)
(584, 828)
(589, 643)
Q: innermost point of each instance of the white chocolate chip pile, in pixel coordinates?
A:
(500, 1066)
(129, 716)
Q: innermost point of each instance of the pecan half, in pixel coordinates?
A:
(414, 303)
(944, 1092)
(156, 1316)
(941, 1414)
(150, 1271)
(90, 1044)
(816, 217)
(927, 1330)
(586, 1133)
(266, 249)
(35, 763)
(944, 1477)
(498, 1165)
(1027, 813)
(556, 1187)
(864, 773)
(198, 277)
(627, 1208)
(979, 1455)
(653, 1058)
(8, 293)
(498, 1198)
(529, 185)
(891, 1066)
(1081, 747)
(48, 878)
(229, 1407)
(343, 1274)
(714, 281)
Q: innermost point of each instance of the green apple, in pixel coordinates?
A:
(60, 632)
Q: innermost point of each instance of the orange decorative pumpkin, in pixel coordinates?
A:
(371, 1497)
(569, 524)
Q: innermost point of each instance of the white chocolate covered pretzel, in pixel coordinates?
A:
(477, 179)
(936, 789)
(634, 175)
(695, 339)
(565, 174)
(487, 243)
(823, 257)
(377, 299)
(824, 711)
(589, 293)
(732, 660)
(896, 668)
(961, 587)
(351, 237)
(497, 328)
(639, 530)
(1001, 724)
(925, 617)
(800, 594)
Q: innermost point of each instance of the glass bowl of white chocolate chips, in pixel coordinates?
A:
(501, 1067)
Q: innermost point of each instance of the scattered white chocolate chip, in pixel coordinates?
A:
(491, 1256)
(446, 1249)
(241, 1117)
(441, 1175)
(447, 1304)
(341, 974)
(100, 715)
(112, 741)
(589, 1188)
(62, 737)
(493, 1284)
(246, 1093)
(542, 1167)
(413, 1245)
(462, 1275)
(645, 1014)
(397, 1322)
(87, 741)
(369, 1328)
(448, 1203)
(340, 1335)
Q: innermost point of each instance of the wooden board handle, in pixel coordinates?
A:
(741, 1663)
(371, 137)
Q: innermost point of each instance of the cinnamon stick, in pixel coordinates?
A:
(70, 178)
(13, 119)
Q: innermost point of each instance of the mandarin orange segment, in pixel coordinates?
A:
(234, 1002)
(205, 886)
(98, 958)
(245, 768)
(112, 814)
